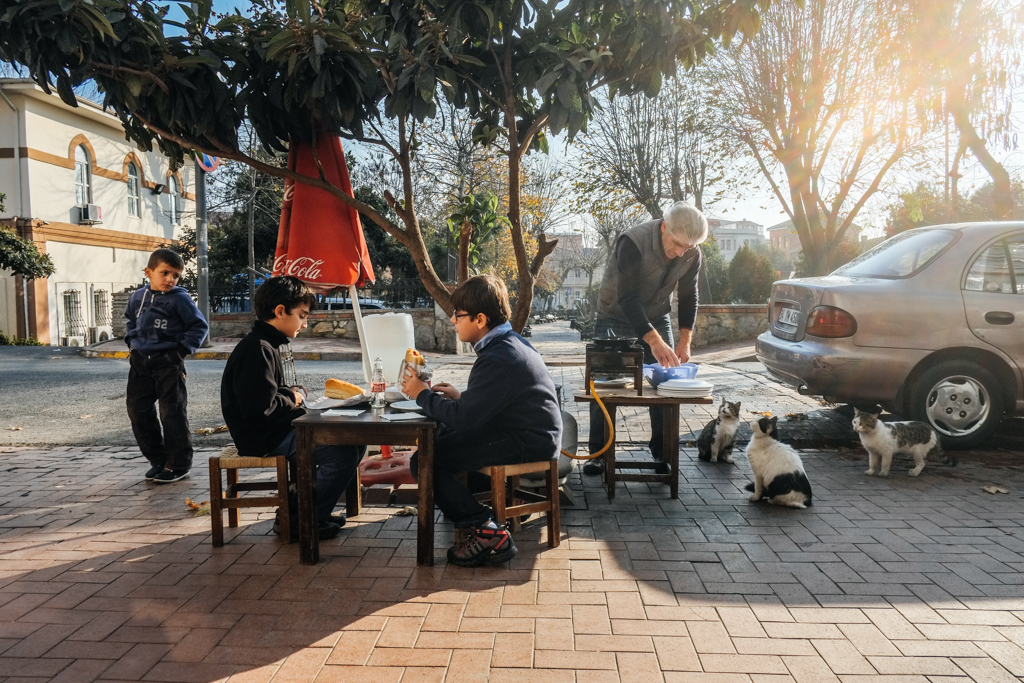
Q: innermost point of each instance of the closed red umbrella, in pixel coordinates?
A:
(320, 240)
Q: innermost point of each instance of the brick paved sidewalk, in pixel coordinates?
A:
(104, 577)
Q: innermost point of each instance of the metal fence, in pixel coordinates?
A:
(381, 294)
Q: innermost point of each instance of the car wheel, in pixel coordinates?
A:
(963, 401)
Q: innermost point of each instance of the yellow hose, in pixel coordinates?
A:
(607, 420)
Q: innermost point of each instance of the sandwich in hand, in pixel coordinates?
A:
(415, 359)
(338, 388)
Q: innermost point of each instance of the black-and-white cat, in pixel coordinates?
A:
(778, 471)
(718, 437)
(884, 439)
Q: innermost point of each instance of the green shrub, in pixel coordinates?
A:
(15, 341)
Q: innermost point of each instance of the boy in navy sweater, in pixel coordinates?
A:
(164, 326)
(507, 415)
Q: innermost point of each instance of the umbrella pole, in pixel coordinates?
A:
(354, 294)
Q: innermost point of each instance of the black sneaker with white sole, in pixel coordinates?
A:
(167, 476)
(153, 471)
(328, 529)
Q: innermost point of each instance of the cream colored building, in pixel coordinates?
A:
(91, 200)
(732, 235)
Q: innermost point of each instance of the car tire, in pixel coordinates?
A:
(961, 400)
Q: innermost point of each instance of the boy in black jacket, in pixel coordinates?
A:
(507, 415)
(163, 326)
(259, 408)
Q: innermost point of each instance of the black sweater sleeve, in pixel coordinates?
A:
(687, 294)
(628, 260)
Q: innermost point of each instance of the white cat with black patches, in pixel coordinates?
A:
(778, 471)
(884, 439)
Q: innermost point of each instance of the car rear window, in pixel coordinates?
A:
(902, 256)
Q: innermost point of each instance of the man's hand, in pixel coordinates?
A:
(683, 347)
(663, 353)
(447, 390)
(299, 398)
(411, 384)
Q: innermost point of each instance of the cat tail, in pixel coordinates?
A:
(945, 457)
(750, 487)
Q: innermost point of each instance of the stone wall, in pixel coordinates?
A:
(718, 324)
(432, 328)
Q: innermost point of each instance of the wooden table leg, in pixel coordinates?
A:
(609, 459)
(309, 536)
(671, 447)
(425, 518)
(354, 495)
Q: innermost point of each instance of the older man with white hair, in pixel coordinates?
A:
(648, 262)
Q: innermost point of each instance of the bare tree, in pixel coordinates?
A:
(963, 56)
(651, 151)
(819, 95)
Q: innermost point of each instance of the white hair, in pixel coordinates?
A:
(685, 221)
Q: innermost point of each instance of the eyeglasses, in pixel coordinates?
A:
(456, 316)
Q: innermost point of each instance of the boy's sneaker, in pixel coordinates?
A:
(595, 466)
(153, 471)
(328, 529)
(489, 544)
(167, 476)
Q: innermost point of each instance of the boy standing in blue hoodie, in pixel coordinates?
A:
(164, 326)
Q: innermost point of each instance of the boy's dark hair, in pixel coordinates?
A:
(165, 255)
(283, 290)
(484, 294)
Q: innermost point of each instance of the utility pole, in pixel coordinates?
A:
(252, 241)
(202, 242)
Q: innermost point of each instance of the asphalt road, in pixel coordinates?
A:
(60, 398)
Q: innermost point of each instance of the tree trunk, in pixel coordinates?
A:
(1002, 194)
(465, 236)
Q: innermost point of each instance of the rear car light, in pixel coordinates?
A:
(829, 321)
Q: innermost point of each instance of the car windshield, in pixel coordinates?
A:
(902, 256)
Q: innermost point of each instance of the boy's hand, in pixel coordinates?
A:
(411, 384)
(447, 390)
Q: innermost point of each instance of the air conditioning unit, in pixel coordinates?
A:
(90, 214)
(72, 340)
(100, 333)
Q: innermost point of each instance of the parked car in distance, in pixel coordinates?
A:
(929, 324)
(345, 304)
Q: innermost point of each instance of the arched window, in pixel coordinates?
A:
(133, 190)
(83, 176)
(172, 199)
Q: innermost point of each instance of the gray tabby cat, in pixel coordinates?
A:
(883, 440)
(719, 436)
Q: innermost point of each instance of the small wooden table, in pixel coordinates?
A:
(315, 429)
(670, 435)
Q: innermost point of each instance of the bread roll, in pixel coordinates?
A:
(414, 357)
(337, 388)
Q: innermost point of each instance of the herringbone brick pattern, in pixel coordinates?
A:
(106, 578)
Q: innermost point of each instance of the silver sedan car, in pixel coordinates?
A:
(929, 324)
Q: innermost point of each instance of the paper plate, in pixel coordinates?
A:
(408, 406)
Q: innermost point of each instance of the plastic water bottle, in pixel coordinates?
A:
(378, 385)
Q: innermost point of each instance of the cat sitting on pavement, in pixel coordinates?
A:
(884, 439)
(778, 471)
(719, 436)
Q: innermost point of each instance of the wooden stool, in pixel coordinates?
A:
(231, 462)
(548, 505)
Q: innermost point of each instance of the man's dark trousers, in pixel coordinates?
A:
(597, 437)
(456, 452)
(160, 379)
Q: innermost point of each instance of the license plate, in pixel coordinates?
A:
(789, 316)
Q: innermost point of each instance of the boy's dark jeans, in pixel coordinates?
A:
(160, 378)
(597, 437)
(335, 467)
(456, 452)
